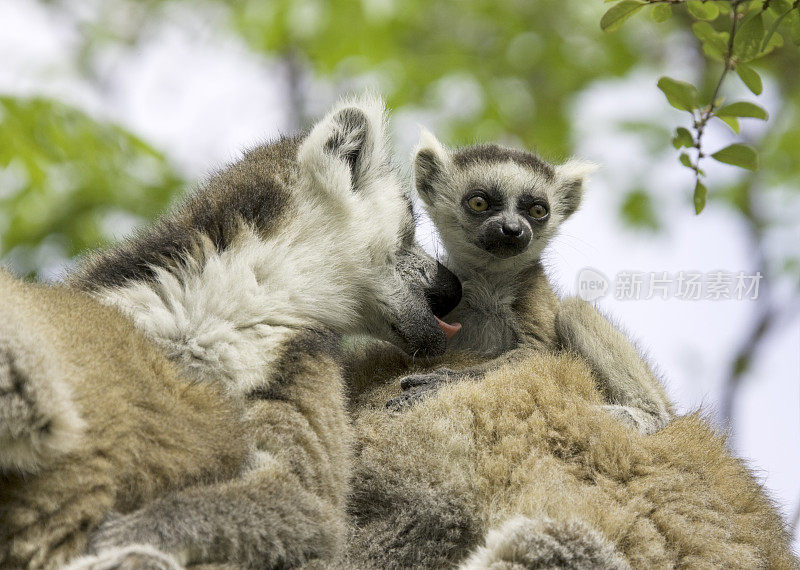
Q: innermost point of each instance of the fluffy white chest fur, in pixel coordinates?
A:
(225, 316)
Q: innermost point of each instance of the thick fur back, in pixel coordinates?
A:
(134, 429)
(531, 440)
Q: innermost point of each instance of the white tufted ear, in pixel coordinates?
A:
(347, 149)
(576, 169)
(570, 177)
(431, 162)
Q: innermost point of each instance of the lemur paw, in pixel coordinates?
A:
(133, 557)
(37, 419)
(417, 387)
(435, 378)
(409, 398)
(523, 543)
(638, 419)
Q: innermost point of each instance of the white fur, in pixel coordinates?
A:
(576, 169)
(499, 545)
(429, 142)
(226, 314)
(113, 557)
(490, 285)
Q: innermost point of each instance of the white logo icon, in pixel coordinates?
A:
(592, 284)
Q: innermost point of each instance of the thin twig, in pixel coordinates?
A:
(705, 116)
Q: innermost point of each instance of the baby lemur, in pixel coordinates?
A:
(533, 449)
(496, 209)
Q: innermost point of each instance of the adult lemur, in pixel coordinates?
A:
(235, 447)
(526, 468)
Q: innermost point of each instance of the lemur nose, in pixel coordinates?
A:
(512, 229)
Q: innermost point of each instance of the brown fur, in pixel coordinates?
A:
(163, 433)
(244, 287)
(286, 506)
(530, 439)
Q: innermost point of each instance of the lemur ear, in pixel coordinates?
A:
(431, 161)
(570, 177)
(347, 147)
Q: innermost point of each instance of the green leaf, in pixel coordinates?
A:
(747, 44)
(732, 122)
(638, 211)
(683, 138)
(685, 160)
(750, 78)
(770, 43)
(743, 109)
(702, 10)
(740, 155)
(793, 23)
(715, 44)
(700, 192)
(780, 6)
(773, 28)
(618, 13)
(71, 171)
(680, 94)
(661, 12)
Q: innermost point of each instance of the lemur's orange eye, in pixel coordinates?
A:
(538, 211)
(478, 203)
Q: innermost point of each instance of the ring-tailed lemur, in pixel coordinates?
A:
(245, 288)
(496, 210)
(526, 469)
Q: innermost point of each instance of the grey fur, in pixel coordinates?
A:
(98, 419)
(527, 544)
(509, 312)
(247, 287)
(287, 507)
(508, 302)
(252, 191)
(496, 270)
(637, 396)
(493, 154)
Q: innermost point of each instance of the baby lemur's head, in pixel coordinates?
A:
(492, 203)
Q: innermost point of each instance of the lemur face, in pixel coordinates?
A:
(501, 221)
(402, 291)
(491, 202)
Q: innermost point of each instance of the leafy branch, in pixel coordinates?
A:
(735, 33)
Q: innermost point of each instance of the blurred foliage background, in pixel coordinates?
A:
(502, 70)
(493, 70)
